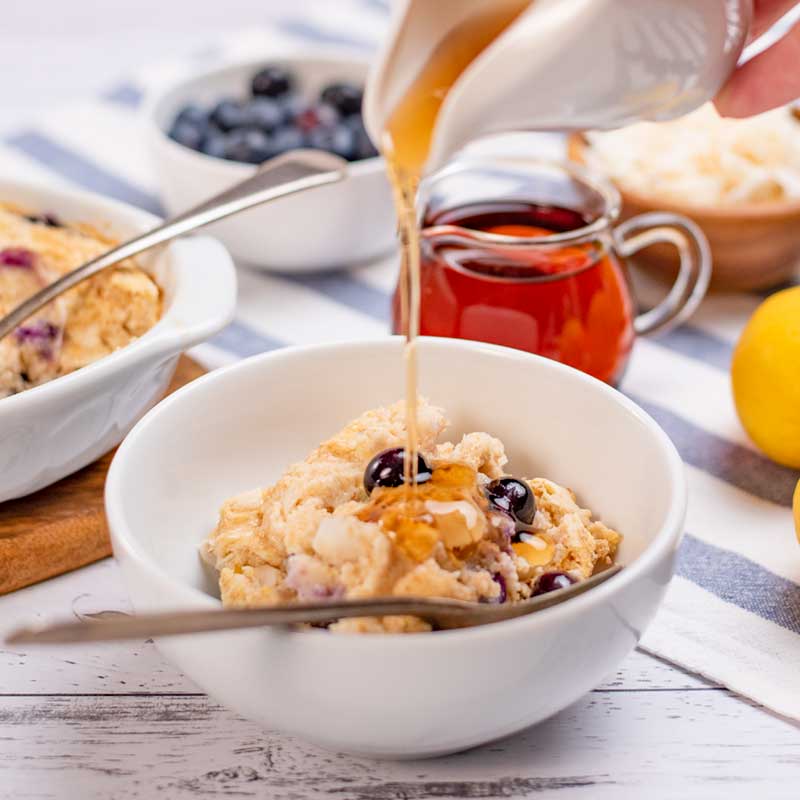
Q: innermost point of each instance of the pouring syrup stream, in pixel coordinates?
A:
(406, 145)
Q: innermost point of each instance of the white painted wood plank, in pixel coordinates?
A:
(112, 667)
(654, 745)
(138, 666)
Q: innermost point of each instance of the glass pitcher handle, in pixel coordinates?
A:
(694, 274)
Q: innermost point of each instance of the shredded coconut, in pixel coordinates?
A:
(703, 159)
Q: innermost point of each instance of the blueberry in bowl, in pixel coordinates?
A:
(272, 81)
(275, 117)
(344, 97)
(387, 468)
(514, 497)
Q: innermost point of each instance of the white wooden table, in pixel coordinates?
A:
(118, 721)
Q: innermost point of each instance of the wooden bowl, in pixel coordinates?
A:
(753, 246)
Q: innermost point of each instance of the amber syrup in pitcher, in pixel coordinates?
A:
(406, 145)
(565, 301)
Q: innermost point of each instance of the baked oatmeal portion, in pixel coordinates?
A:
(90, 321)
(341, 524)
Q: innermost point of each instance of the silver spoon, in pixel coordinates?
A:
(442, 613)
(292, 172)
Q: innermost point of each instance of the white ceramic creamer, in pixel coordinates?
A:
(563, 65)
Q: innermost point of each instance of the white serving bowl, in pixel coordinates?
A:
(55, 429)
(326, 228)
(396, 695)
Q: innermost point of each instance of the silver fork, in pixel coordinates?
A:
(292, 172)
(442, 613)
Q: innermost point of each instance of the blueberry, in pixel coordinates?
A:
(287, 138)
(216, 144)
(388, 469)
(344, 97)
(339, 140)
(50, 220)
(552, 581)
(263, 113)
(249, 146)
(364, 147)
(37, 330)
(271, 81)
(188, 135)
(228, 114)
(39, 334)
(501, 582)
(320, 139)
(514, 497)
(193, 114)
(327, 115)
(19, 257)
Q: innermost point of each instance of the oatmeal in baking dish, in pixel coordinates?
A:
(342, 524)
(90, 321)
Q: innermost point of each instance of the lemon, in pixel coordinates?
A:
(766, 377)
(796, 509)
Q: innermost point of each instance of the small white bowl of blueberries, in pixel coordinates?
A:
(212, 130)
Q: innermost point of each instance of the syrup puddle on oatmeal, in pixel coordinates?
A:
(406, 145)
(449, 508)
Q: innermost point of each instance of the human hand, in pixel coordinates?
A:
(770, 79)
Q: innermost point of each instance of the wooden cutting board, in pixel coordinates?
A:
(63, 526)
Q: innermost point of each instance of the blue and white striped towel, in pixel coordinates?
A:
(733, 611)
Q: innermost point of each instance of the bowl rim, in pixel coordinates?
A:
(156, 98)
(578, 144)
(169, 333)
(663, 542)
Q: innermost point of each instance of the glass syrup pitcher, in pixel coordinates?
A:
(562, 65)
